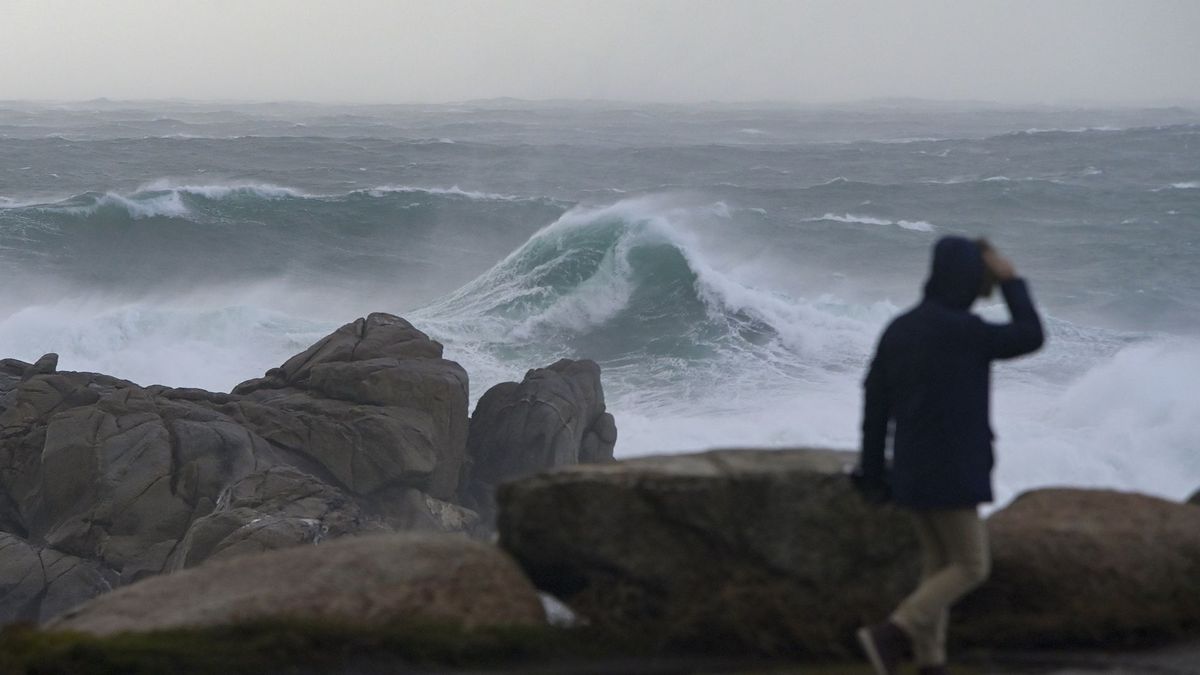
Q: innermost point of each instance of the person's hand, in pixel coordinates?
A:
(1000, 267)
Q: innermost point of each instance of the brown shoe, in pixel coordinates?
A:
(932, 670)
(885, 645)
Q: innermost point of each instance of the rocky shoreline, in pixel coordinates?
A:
(127, 511)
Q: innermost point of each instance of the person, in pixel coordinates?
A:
(928, 386)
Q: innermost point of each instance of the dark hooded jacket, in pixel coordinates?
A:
(931, 378)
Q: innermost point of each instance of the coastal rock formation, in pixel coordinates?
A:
(103, 482)
(443, 578)
(1087, 567)
(554, 417)
(373, 404)
(772, 552)
(762, 551)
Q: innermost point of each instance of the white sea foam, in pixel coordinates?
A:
(1129, 422)
(1071, 130)
(454, 190)
(223, 190)
(213, 347)
(914, 225)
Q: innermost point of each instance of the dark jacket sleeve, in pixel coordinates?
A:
(1020, 336)
(876, 415)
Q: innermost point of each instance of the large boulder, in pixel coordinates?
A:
(443, 579)
(759, 551)
(373, 403)
(103, 482)
(1087, 567)
(554, 417)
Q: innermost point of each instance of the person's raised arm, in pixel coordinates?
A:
(1023, 334)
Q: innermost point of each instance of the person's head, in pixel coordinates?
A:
(957, 275)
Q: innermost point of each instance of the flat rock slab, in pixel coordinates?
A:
(374, 579)
(762, 551)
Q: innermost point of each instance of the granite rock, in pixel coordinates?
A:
(438, 578)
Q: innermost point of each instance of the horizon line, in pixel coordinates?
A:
(878, 100)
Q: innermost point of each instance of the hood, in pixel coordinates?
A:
(957, 273)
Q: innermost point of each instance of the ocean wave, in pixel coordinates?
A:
(914, 225)
(168, 198)
(631, 277)
(137, 207)
(218, 191)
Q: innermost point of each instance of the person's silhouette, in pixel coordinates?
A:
(928, 389)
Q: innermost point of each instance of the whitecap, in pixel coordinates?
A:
(914, 225)
(218, 191)
(453, 190)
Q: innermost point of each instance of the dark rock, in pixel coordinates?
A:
(554, 417)
(37, 583)
(1195, 498)
(377, 580)
(341, 400)
(378, 335)
(45, 365)
(751, 551)
(13, 367)
(364, 432)
(271, 509)
(1087, 567)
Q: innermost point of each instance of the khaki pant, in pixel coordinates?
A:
(954, 560)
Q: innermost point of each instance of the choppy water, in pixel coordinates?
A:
(729, 266)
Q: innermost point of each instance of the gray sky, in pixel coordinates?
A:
(660, 50)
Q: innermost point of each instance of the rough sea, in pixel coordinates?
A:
(729, 266)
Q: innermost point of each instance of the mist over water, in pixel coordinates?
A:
(730, 267)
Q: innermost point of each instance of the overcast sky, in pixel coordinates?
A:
(655, 50)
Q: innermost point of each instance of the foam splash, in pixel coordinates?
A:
(1128, 421)
(176, 344)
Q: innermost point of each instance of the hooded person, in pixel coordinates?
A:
(928, 389)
